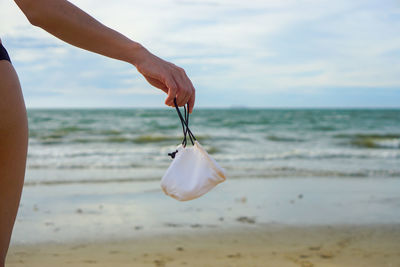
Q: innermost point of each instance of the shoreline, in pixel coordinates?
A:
(302, 222)
(69, 213)
(259, 245)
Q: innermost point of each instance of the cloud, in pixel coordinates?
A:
(256, 49)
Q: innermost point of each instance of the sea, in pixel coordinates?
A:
(94, 174)
(111, 145)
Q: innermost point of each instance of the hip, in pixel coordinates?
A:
(3, 53)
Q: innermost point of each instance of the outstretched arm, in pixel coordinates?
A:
(72, 25)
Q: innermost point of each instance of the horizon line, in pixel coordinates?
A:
(228, 107)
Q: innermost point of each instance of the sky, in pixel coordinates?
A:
(260, 53)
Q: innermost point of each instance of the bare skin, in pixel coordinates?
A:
(72, 25)
(13, 148)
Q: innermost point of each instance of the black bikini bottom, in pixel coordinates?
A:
(3, 53)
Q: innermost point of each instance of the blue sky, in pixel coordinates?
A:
(237, 53)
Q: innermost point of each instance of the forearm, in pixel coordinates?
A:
(69, 23)
(72, 25)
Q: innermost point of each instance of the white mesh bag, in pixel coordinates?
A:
(192, 172)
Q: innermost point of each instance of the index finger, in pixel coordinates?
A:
(172, 88)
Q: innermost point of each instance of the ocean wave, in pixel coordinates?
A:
(391, 141)
(110, 132)
(324, 128)
(283, 172)
(276, 138)
(89, 181)
(310, 154)
(57, 132)
(54, 139)
(151, 138)
(334, 153)
(65, 165)
(233, 173)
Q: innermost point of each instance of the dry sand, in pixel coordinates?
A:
(256, 245)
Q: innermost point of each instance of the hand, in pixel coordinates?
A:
(167, 77)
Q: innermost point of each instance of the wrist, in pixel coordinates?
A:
(136, 54)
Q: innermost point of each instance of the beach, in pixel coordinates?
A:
(304, 188)
(245, 222)
(267, 245)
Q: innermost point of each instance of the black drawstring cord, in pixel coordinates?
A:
(185, 127)
(185, 123)
(186, 116)
(184, 130)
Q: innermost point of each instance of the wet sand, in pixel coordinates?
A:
(77, 213)
(243, 222)
(252, 245)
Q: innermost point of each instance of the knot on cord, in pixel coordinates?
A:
(172, 154)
